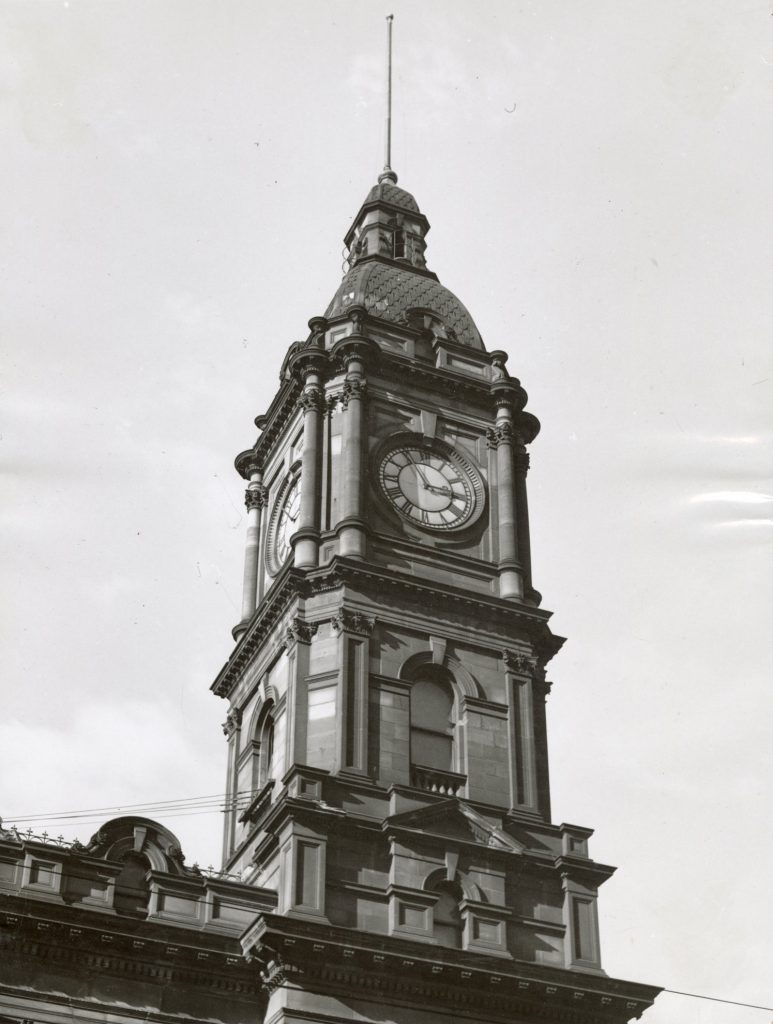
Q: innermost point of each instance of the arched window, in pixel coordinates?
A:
(270, 736)
(446, 915)
(432, 721)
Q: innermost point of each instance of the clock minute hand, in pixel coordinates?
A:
(421, 474)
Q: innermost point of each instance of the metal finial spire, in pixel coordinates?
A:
(388, 174)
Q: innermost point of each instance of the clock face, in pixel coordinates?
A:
(430, 484)
(283, 523)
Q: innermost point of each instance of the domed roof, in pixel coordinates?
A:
(391, 290)
(386, 192)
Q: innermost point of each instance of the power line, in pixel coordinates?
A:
(162, 806)
(716, 999)
(669, 991)
(48, 815)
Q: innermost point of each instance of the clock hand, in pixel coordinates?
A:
(421, 474)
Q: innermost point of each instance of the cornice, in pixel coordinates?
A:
(437, 378)
(279, 412)
(327, 960)
(286, 587)
(294, 583)
(152, 951)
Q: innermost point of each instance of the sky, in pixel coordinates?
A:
(178, 178)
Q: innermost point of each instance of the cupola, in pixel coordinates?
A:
(389, 225)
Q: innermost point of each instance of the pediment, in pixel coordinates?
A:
(454, 820)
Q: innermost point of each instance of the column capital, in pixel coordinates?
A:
(517, 661)
(255, 496)
(312, 400)
(345, 621)
(502, 433)
(233, 721)
(354, 388)
(299, 631)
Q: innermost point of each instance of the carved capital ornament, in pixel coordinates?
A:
(255, 497)
(299, 632)
(352, 622)
(311, 400)
(515, 661)
(354, 388)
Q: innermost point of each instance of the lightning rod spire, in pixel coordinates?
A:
(388, 174)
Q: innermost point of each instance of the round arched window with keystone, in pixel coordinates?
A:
(429, 483)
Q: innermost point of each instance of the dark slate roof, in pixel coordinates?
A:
(393, 194)
(389, 290)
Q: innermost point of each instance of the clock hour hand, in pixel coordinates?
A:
(446, 491)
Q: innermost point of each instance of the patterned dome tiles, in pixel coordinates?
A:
(390, 291)
(392, 194)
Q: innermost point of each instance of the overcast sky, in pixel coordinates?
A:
(177, 180)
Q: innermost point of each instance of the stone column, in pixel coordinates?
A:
(308, 364)
(306, 538)
(254, 499)
(352, 528)
(501, 437)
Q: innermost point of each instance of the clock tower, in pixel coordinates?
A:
(388, 764)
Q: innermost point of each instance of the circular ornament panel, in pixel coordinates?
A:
(429, 483)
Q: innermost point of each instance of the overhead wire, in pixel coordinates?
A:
(214, 803)
(166, 807)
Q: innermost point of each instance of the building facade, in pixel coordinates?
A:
(389, 852)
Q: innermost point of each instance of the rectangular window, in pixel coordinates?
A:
(277, 768)
(321, 727)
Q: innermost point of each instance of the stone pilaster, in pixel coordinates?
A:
(231, 730)
(354, 630)
(519, 670)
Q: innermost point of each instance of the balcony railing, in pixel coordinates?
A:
(435, 780)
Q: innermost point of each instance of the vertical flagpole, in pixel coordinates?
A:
(388, 146)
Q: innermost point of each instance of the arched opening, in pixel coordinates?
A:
(447, 915)
(432, 720)
(270, 745)
(132, 889)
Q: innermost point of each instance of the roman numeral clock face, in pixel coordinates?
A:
(430, 484)
(283, 523)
